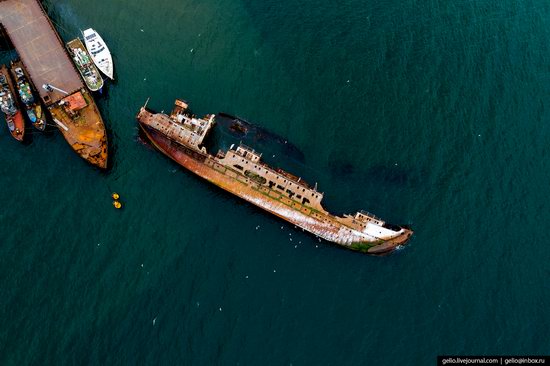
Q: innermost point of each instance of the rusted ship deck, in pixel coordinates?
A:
(241, 171)
(47, 62)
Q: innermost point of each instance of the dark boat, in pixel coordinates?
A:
(8, 105)
(34, 109)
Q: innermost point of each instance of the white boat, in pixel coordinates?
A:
(99, 52)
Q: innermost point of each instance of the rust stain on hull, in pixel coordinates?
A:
(83, 130)
(349, 232)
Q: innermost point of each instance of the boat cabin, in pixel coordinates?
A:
(248, 162)
(248, 153)
(365, 217)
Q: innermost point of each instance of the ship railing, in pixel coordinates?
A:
(247, 148)
(371, 215)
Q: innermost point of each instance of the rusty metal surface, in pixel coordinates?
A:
(322, 224)
(84, 131)
(39, 47)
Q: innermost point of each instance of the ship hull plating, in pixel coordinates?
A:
(320, 224)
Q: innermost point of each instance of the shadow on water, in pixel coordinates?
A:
(382, 174)
(5, 43)
(392, 178)
(279, 152)
(103, 93)
(234, 130)
(231, 131)
(276, 151)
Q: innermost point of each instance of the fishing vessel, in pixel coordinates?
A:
(99, 51)
(8, 105)
(32, 105)
(241, 171)
(85, 65)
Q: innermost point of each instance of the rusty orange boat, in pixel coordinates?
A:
(80, 123)
(10, 107)
(241, 171)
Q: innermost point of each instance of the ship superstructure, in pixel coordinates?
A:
(241, 171)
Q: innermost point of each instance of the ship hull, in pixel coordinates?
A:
(40, 123)
(85, 132)
(16, 124)
(99, 51)
(328, 228)
(33, 108)
(15, 121)
(85, 65)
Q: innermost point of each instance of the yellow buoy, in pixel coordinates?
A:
(117, 204)
(115, 196)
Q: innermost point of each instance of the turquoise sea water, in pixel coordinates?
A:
(434, 114)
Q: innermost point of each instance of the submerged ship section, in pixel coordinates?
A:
(241, 171)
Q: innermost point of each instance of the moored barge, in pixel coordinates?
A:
(241, 171)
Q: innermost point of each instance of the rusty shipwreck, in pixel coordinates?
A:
(241, 171)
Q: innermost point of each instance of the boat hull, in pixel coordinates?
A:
(85, 65)
(14, 118)
(84, 131)
(16, 125)
(32, 105)
(327, 228)
(99, 51)
(40, 122)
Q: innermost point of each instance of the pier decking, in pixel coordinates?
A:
(39, 47)
(47, 62)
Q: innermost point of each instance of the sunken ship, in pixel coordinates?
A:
(241, 171)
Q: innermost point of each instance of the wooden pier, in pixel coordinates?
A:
(47, 62)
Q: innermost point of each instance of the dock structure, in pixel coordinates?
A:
(48, 64)
(40, 48)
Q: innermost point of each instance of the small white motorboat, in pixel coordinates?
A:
(99, 52)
